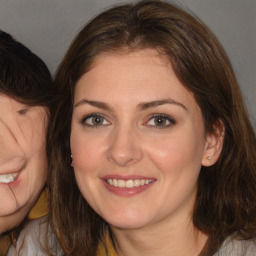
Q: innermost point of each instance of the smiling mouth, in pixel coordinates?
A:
(8, 178)
(119, 183)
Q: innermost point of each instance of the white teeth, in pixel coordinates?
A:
(127, 183)
(121, 183)
(114, 182)
(136, 183)
(7, 178)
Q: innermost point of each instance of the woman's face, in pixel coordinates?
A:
(137, 140)
(22, 159)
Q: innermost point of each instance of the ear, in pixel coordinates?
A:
(213, 145)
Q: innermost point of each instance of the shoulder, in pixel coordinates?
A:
(32, 239)
(235, 247)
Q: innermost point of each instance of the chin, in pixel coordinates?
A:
(127, 222)
(128, 225)
(12, 219)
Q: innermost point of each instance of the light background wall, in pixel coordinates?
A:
(48, 26)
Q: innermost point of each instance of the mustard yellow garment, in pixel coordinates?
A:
(40, 209)
(110, 249)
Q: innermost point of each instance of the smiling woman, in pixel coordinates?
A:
(23, 156)
(26, 93)
(148, 141)
(162, 150)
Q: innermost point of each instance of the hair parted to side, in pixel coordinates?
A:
(23, 75)
(225, 202)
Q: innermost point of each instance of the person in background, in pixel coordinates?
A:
(26, 94)
(151, 148)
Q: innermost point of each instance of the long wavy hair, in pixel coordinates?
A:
(226, 198)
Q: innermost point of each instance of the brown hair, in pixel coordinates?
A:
(25, 78)
(23, 75)
(226, 197)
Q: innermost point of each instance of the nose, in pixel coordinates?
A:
(11, 154)
(124, 148)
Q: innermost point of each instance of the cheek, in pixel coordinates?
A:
(33, 140)
(87, 158)
(87, 152)
(35, 150)
(176, 152)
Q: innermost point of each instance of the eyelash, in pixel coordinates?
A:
(86, 118)
(163, 117)
(22, 111)
(154, 117)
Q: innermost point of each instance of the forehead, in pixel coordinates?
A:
(7, 103)
(143, 74)
(124, 66)
(11, 110)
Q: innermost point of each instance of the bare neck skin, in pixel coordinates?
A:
(175, 235)
(181, 239)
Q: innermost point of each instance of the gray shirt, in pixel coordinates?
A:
(31, 240)
(234, 247)
(30, 243)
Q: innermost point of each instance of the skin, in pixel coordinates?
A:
(129, 143)
(22, 150)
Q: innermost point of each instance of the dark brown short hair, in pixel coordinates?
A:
(23, 75)
(226, 197)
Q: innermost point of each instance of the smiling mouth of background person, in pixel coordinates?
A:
(8, 178)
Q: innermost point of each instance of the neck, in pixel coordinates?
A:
(180, 239)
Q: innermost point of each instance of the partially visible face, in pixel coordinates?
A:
(137, 140)
(22, 159)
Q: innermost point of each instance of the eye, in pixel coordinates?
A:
(161, 121)
(23, 111)
(94, 120)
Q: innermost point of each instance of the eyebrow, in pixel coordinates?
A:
(140, 107)
(156, 103)
(97, 104)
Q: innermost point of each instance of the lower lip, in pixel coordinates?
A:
(15, 183)
(127, 191)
